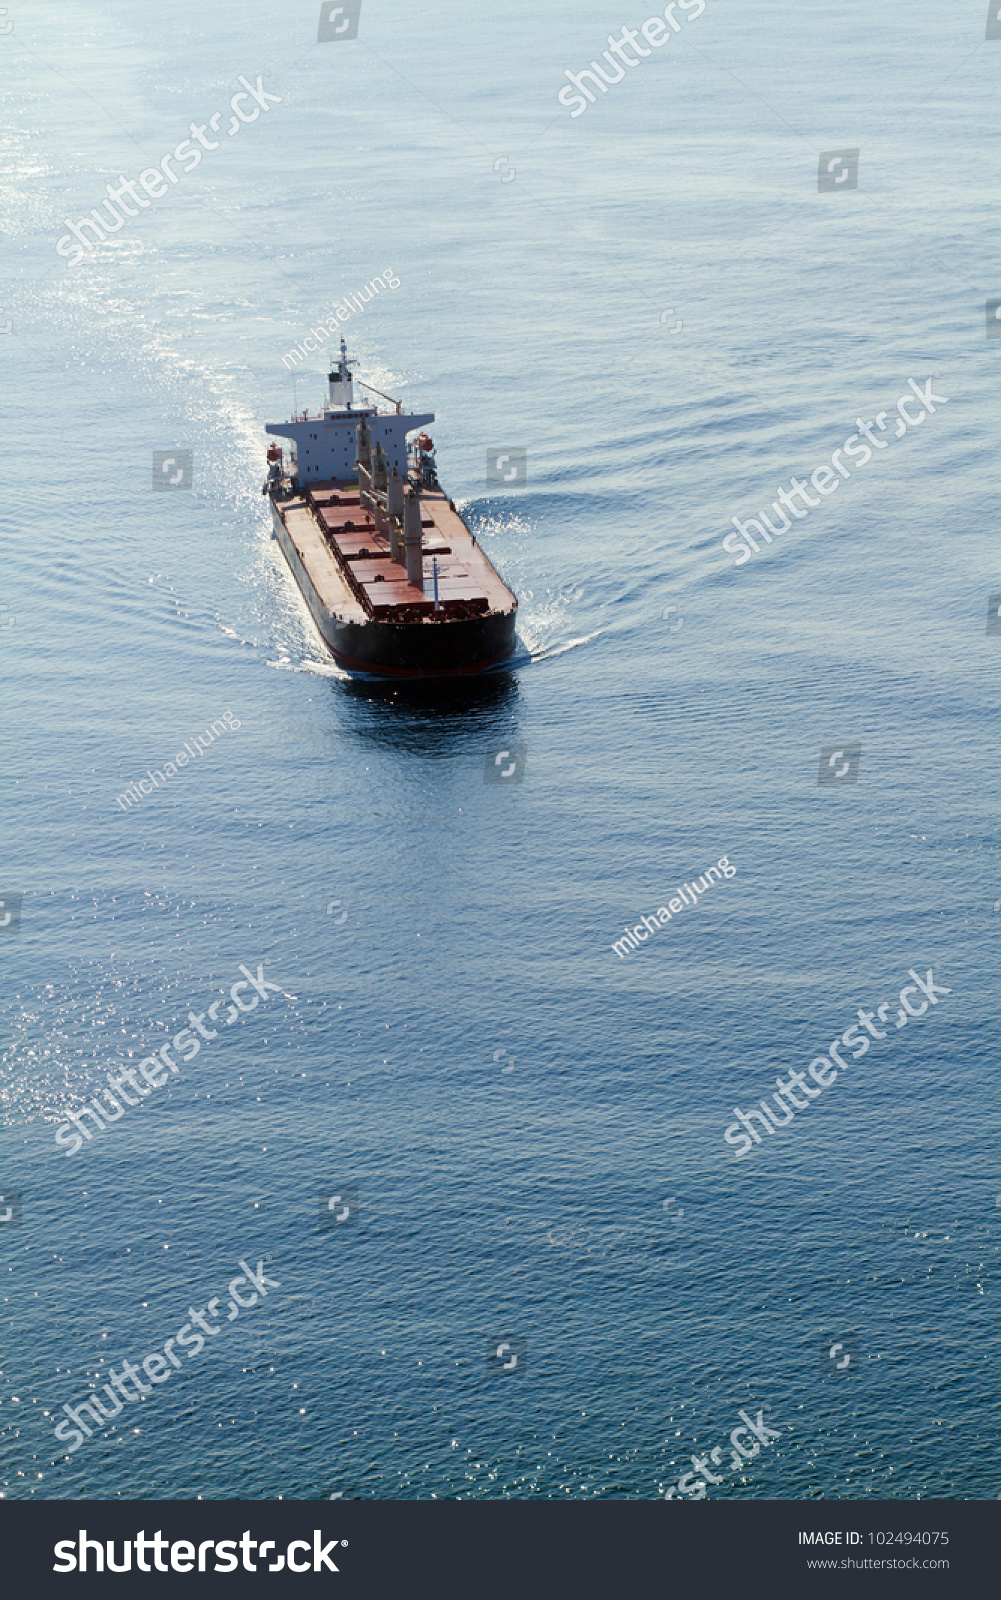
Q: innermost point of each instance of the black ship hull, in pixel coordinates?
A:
(459, 647)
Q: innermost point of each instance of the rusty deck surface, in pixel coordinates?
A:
(320, 565)
(329, 527)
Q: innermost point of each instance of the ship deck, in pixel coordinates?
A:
(348, 560)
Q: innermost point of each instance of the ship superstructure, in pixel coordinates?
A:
(396, 582)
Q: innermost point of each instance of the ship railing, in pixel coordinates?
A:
(318, 416)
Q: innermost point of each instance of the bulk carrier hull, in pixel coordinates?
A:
(395, 582)
(457, 648)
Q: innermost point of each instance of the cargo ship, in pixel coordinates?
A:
(395, 581)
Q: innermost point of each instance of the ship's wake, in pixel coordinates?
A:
(319, 669)
(529, 654)
(549, 652)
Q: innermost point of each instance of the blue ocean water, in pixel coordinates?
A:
(666, 314)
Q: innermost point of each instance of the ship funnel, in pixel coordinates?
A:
(340, 382)
(341, 391)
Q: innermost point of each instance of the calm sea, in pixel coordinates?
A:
(653, 300)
